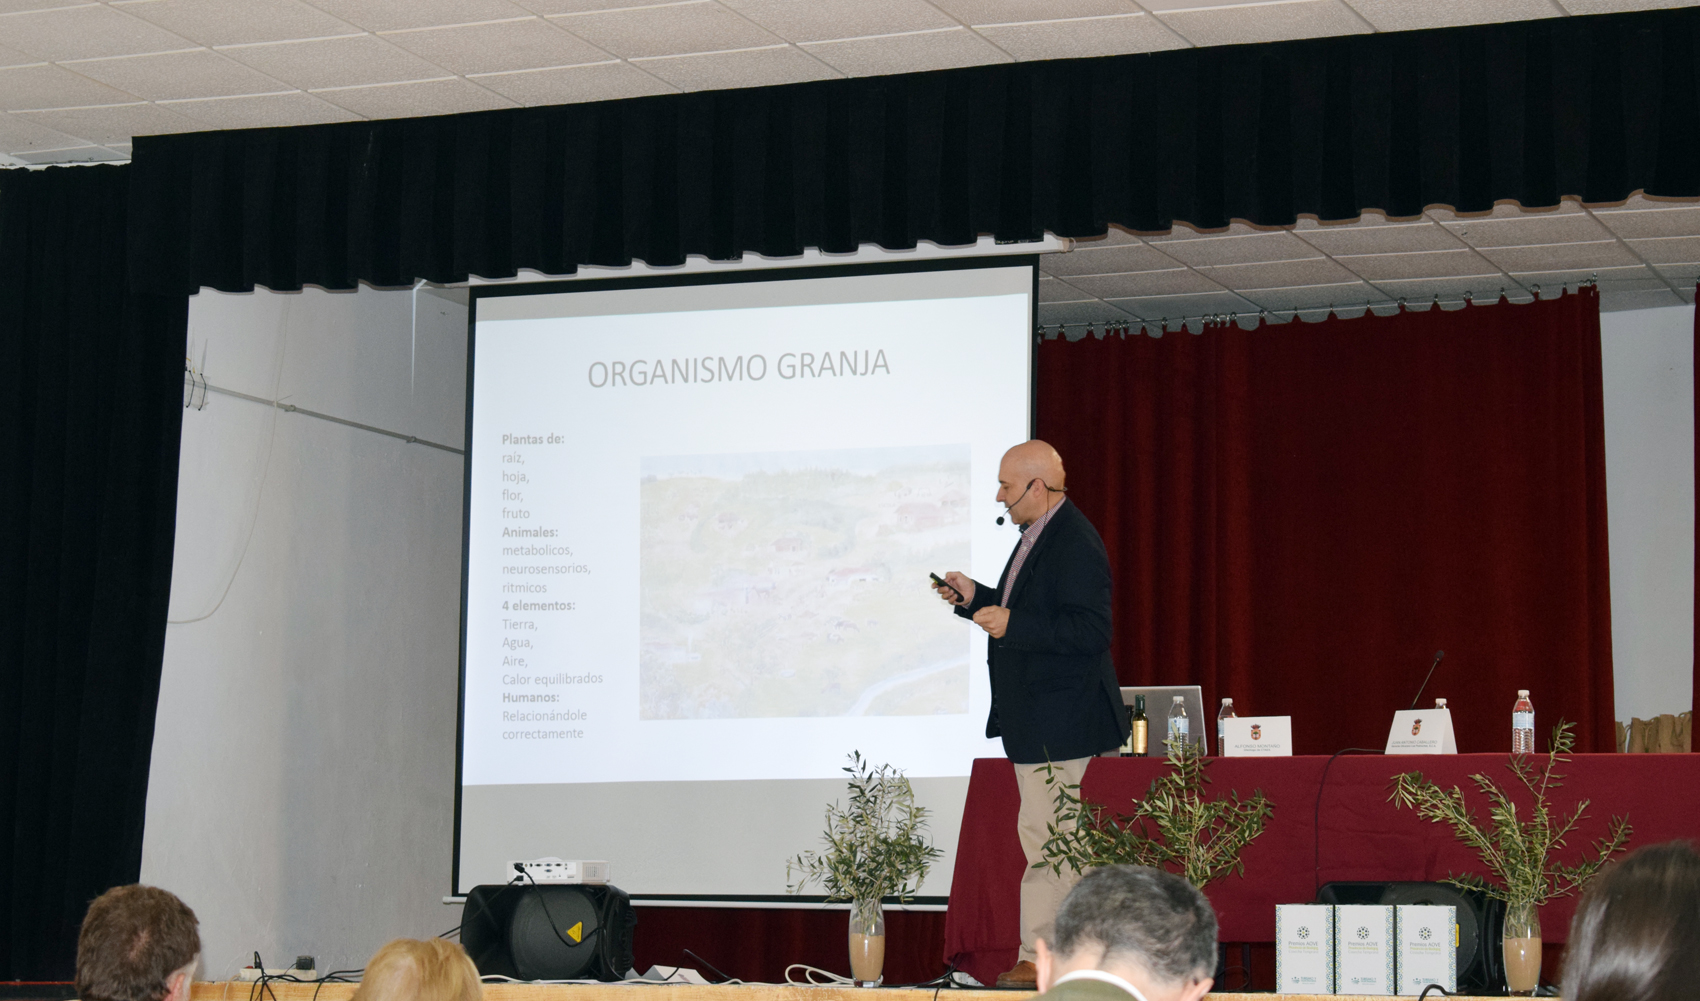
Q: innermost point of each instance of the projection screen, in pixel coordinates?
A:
(700, 515)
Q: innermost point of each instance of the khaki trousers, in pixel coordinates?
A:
(1042, 890)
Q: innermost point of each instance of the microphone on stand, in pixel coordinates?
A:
(1438, 654)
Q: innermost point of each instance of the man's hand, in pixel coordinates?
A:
(960, 591)
(994, 619)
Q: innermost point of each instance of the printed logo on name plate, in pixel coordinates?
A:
(1416, 727)
(1257, 731)
(1363, 932)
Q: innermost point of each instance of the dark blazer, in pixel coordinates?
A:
(1054, 690)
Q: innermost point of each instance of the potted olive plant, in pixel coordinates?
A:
(1516, 852)
(876, 847)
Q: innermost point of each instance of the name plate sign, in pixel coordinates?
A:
(1422, 731)
(1257, 737)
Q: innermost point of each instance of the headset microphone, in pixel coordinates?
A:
(1018, 500)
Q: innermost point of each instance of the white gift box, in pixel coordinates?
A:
(1363, 949)
(1428, 947)
(1304, 948)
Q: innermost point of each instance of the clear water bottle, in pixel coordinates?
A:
(1223, 715)
(1440, 703)
(1180, 732)
(1523, 724)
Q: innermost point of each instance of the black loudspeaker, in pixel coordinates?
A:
(1481, 920)
(551, 931)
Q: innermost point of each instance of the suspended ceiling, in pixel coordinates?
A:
(78, 79)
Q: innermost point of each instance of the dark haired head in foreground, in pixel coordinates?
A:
(138, 943)
(1128, 930)
(1636, 934)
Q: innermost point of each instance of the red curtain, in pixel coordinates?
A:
(1300, 515)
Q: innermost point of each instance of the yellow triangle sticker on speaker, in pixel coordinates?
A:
(576, 933)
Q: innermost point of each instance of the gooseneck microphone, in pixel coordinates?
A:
(1438, 654)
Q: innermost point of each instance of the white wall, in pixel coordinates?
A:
(1647, 357)
(302, 786)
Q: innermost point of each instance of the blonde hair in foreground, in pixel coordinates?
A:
(410, 970)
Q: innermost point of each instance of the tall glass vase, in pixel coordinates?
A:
(1522, 943)
(867, 942)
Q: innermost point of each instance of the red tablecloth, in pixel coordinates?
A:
(1359, 836)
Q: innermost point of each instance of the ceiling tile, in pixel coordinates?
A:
(1668, 250)
(747, 68)
(335, 62)
(221, 22)
(12, 57)
(1016, 11)
(422, 97)
(172, 75)
(499, 46)
(1683, 276)
(1250, 248)
(1556, 256)
(1408, 15)
(1641, 223)
(1422, 264)
(1615, 6)
(1175, 307)
(1485, 288)
(1315, 296)
(1079, 38)
(261, 111)
(550, 7)
(21, 134)
(1280, 274)
(1052, 290)
(85, 33)
(1107, 261)
(815, 21)
(607, 81)
(1093, 312)
(1381, 238)
(81, 154)
(916, 53)
(1550, 281)
(1614, 302)
(114, 124)
(13, 6)
(1529, 230)
(1177, 281)
(388, 15)
(43, 86)
(673, 29)
(1234, 24)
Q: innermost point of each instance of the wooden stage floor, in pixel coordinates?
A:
(239, 991)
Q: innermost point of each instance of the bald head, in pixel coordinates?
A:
(1034, 460)
(1030, 480)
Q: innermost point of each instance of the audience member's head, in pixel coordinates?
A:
(413, 970)
(1149, 928)
(138, 943)
(1636, 934)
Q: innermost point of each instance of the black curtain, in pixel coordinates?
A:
(1592, 106)
(90, 408)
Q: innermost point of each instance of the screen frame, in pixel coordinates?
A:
(781, 273)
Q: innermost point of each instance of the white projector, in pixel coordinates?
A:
(554, 870)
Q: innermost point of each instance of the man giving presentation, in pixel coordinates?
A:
(1054, 693)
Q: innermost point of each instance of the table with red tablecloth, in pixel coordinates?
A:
(1349, 832)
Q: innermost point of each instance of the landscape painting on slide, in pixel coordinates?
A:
(787, 584)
